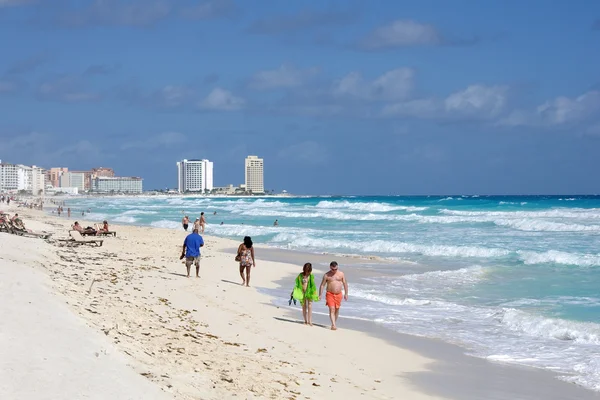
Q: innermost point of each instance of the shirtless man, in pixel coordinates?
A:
(202, 222)
(334, 280)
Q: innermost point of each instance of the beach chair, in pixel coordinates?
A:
(17, 228)
(5, 225)
(100, 232)
(76, 238)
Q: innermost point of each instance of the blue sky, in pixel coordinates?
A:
(338, 97)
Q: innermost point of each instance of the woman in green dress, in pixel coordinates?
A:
(305, 291)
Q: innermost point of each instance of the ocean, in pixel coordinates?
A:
(513, 279)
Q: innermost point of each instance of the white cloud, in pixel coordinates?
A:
(396, 84)
(474, 102)
(419, 108)
(401, 33)
(161, 140)
(477, 100)
(222, 100)
(560, 111)
(171, 96)
(286, 76)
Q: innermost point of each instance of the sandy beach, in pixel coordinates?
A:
(211, 338)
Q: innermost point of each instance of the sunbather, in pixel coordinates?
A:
(104, 227)
(18, 223)
(87, 231)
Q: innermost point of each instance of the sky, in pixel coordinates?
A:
(338, 97)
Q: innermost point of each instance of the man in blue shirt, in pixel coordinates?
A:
(191, 251)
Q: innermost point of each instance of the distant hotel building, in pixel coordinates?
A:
(194, 176)
(105, 184)
(56, 174)
(15, 177)
(77, 179)
(101, 171)
(61, 177)
(255, 174)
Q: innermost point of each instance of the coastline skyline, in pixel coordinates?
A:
(403, 99)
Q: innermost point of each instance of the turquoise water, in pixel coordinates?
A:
(512, 279)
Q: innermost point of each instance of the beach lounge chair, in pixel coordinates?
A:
(17, 228)
(21, 231)
(5, 224)
(100, 232)
(76, 238)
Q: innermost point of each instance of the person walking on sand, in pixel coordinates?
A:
(185, 222)
(69, 212)
(305, 291)
(202, 221)
(334, 280)
(245, 255)
(191, 251)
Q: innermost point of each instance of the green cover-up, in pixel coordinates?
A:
(311, 289)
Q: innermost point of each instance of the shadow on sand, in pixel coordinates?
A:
(231, 282)
(295, 321)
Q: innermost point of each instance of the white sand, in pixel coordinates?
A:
(205, 338)
(47, 352)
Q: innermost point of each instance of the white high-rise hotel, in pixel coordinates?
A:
(194, 176)
(21, 177)
(255, 174)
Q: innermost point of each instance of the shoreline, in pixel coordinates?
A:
(428, 349)
(455, 374)
(209, 338)
(446, 354)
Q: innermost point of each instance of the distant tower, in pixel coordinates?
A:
(194, 176)
(255, 174)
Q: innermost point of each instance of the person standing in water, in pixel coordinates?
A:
(202, 222)
(245, 255)
(335, 280)
(305, 291)
(185, 222)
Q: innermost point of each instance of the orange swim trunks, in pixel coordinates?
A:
(333, 299)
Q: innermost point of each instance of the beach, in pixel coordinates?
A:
(211, 338)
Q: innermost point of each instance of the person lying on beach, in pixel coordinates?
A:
(334, 280)
(305, 291)
(245, 255)
(87, 231)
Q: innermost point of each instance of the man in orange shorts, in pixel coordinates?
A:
(334, 280)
